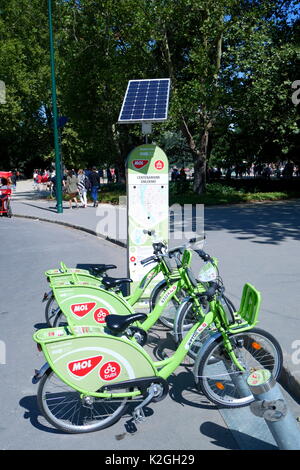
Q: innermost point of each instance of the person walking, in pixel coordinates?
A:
(95, 185)
(14, 180)
(83, 186)
(71, 188)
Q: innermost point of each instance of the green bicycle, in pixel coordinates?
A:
(65, 276)
(92, 373)
(91, 305)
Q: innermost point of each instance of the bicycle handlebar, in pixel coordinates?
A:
(148, 260)
(204, 256)
(210, 292)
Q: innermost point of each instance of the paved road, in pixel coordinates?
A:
(260, 244)
(184, 420)
(257, 243)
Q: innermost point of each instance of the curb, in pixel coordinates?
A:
(288, 381)
(76, 227)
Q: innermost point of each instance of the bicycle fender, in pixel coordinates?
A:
(39, 373)
(207, 343)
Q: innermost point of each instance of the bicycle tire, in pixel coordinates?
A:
(185, 320)
(60, 320)
(83, 418)
(219, 379)
(51, 311)
(168, 315)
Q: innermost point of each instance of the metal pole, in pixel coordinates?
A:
(270, 404)
(55, 119)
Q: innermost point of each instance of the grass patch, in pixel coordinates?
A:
(220, 194)
(216, 193)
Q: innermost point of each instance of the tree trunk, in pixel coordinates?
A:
(200, 164)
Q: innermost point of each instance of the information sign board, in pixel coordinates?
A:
(147, 207)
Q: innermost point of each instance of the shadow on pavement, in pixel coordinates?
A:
(33, 414)
(220, 437)
(49, 209)
(183, 390)
(271, 222)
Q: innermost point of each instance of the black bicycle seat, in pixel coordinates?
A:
(119, 323)
(101, 268)
(109, 282)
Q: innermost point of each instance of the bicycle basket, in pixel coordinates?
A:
(250, 304)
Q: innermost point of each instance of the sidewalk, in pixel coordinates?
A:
(269, 233)
(105, 221)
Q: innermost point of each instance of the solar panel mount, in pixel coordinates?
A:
(145, 101)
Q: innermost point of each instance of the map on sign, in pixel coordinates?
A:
(148, 206)
(145, 101)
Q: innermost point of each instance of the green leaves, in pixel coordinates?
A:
(231, 64)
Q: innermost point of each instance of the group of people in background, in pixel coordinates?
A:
(279, 170)
(75, 184)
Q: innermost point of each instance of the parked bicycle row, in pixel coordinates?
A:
(94, 346)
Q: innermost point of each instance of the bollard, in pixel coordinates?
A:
(270, 405)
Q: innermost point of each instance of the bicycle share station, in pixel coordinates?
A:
(96, 344)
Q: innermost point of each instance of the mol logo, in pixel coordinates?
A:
(138, 164)
(100, 315)
(80, 310)
(83, 367)
(110, 371)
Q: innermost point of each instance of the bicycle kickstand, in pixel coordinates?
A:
(138, 412)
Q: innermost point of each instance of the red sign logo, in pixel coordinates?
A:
(159, 164)
(138, 164)
(84, 366)
(110, 371)
(100, 315)
(132, 259)
(80, 310)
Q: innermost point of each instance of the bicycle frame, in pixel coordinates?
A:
(75, 300)
(77, 276)
(118, 353)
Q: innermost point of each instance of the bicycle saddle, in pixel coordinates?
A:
(101, 268)
(114, 281)
(119, 323)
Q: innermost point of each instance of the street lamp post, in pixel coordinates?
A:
(55, 118)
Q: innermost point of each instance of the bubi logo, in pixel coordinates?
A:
(80, 310)
(159, 164)
(110, 371)
(100, 315)
(83, 367)
(138, 164)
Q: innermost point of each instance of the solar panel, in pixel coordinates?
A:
(145, 100)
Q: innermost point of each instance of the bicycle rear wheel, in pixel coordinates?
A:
(220, 380)
(51, 311)
(64, 409)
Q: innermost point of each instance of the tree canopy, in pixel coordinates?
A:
(231, 63)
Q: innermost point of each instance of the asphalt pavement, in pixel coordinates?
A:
(183, 420)
(256, 243)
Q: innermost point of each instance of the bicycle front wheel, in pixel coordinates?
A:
(168, 315)
(64, 409)
(184, 322)
(222, 382)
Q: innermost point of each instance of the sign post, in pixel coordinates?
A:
(147, 206)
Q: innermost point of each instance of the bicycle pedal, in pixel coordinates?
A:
(139, 415)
